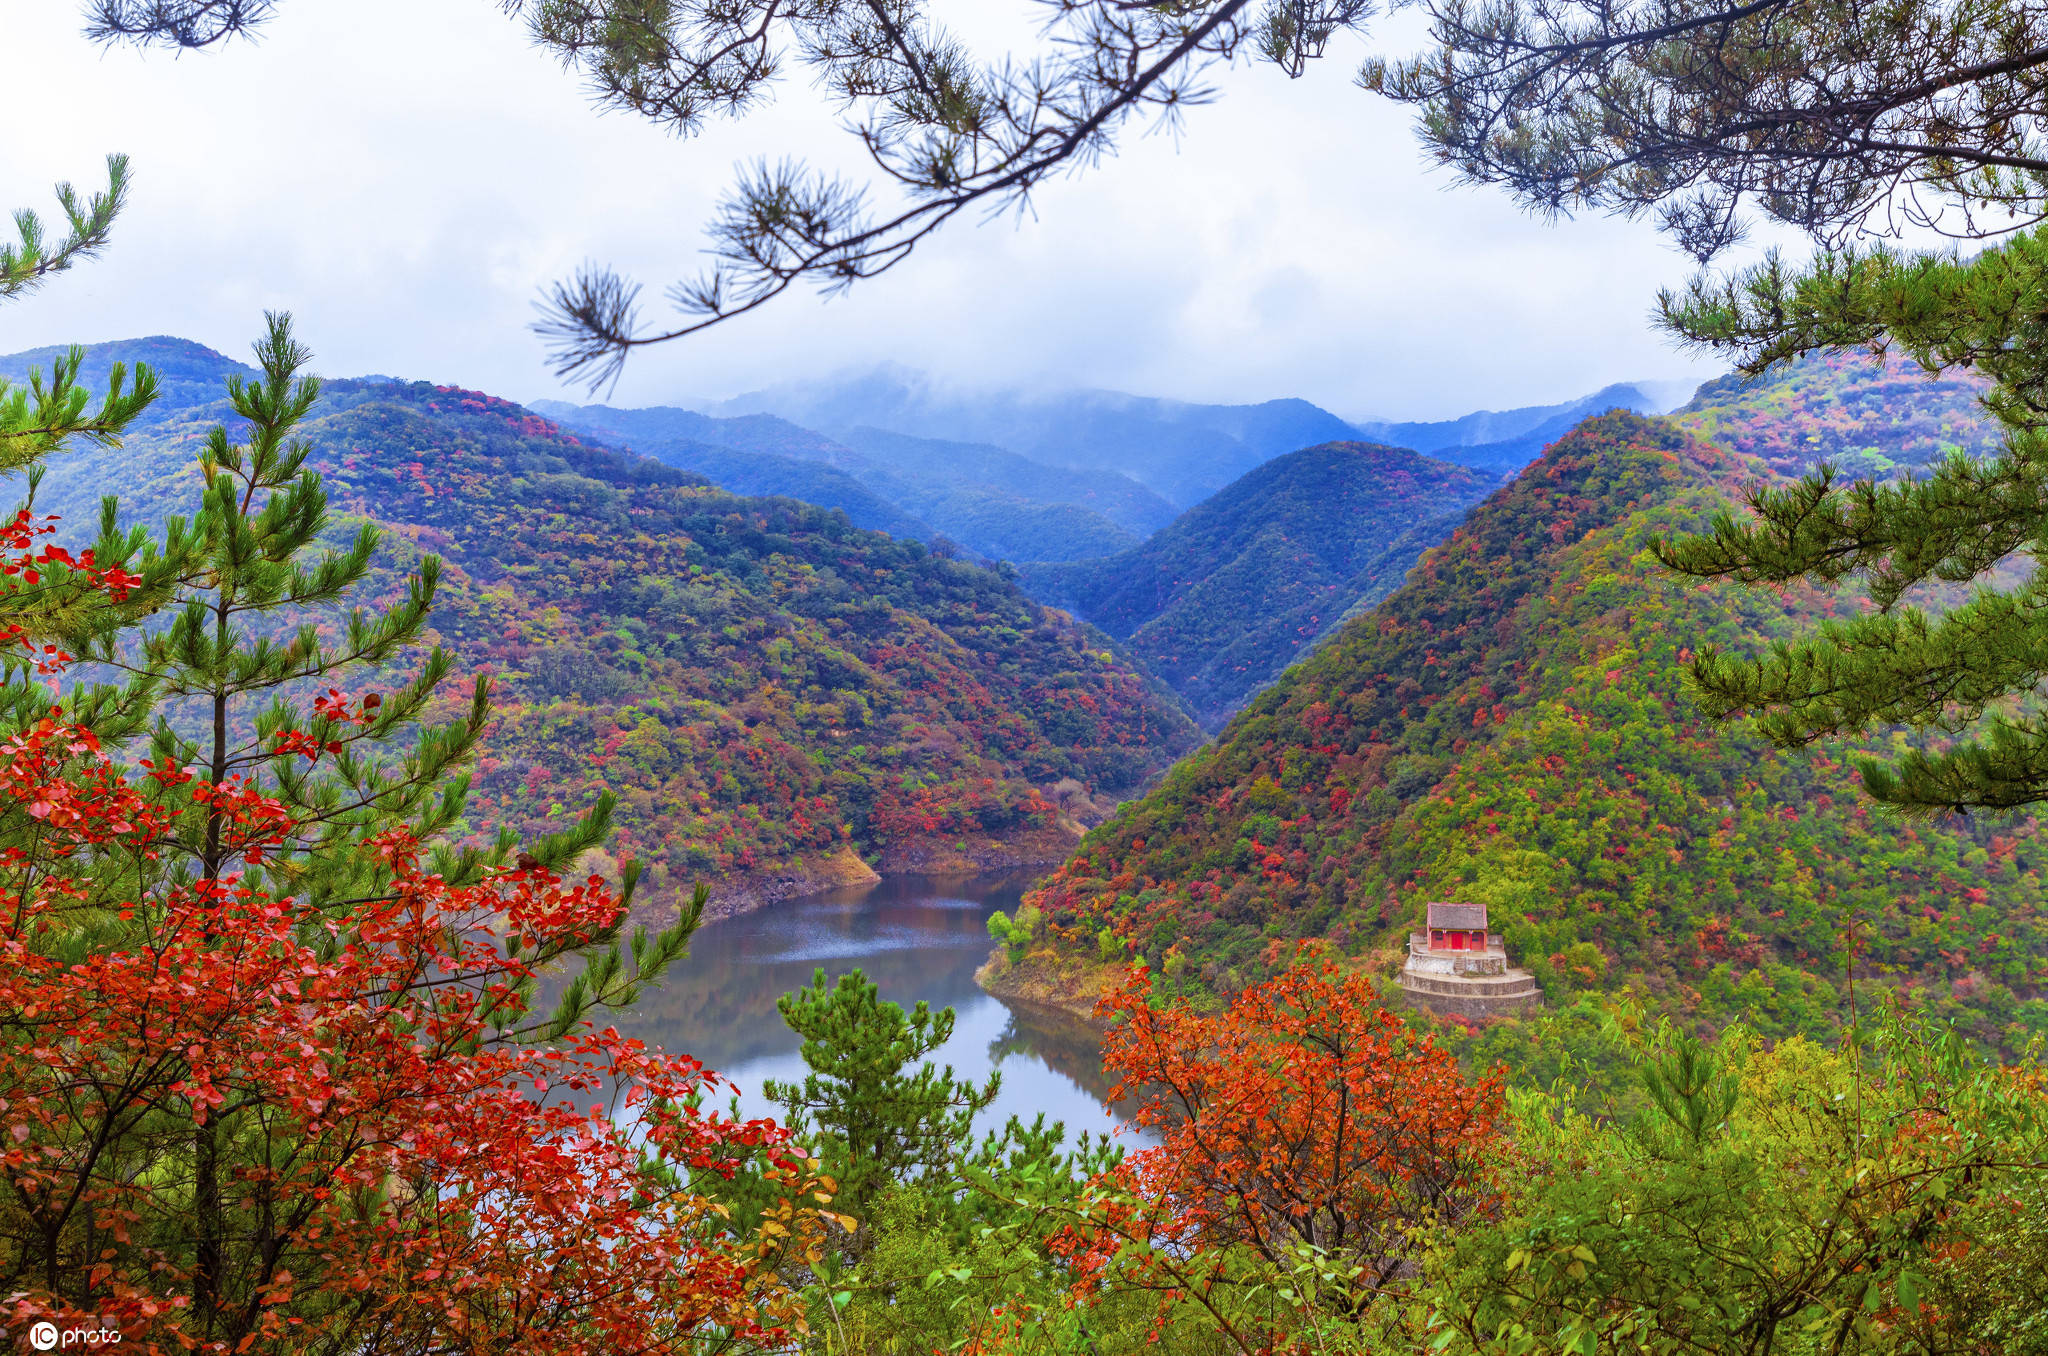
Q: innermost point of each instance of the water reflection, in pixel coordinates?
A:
(915, 938)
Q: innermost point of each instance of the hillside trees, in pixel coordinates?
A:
(1307, 1143)
(269, 1073)
(1304, 1118)
(1954, 672)
(1250, 579)
(762, 686)
(1828, 117)
(1834, 119)
(949, 1223)
(1326, 1180)
(1515, 726)
(1790, 1198)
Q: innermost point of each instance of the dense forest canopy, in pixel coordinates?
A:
(270, 1071)
(1250, 579)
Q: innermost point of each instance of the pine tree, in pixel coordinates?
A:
(1841, 121)
(90, 222)
(50, 594)
(229, 668)
(947, 130)
(874, 1119)
(1964, 673)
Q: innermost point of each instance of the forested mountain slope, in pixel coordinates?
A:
(1867, 418)
(761, 683)
(188, 374)
(1246, 582)
(1514, 726)
(995, 503)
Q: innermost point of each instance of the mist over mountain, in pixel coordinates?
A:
(773, 694)
(1514, 726)
(993, 502)
(1483, 427)
(1504, 441)
(1112, 494)
(756, 456)
(1183, 452)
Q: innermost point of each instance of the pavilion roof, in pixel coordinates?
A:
(1470, 917)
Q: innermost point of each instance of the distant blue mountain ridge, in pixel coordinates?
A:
(1183, 451)
(991, 501)
(1026, 477)
(1504, 441)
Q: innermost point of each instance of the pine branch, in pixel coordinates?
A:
(89, 224)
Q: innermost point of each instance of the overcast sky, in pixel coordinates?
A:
(405, 175)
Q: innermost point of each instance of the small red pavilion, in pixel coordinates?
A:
(1457, 927)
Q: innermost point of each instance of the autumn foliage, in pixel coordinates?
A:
(759, 684)
(1304, 1121)
(408, 1169)
(1515, 726)
(269, 1075)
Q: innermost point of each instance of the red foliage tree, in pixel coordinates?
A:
(1304, 1120)
(411, 1174)
(269, 1079)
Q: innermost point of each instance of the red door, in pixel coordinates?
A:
(1457, 941)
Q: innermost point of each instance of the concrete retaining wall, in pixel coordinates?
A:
(1468, 985)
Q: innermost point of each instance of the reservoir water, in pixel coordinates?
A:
(916, 938)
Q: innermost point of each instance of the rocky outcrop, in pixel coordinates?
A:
(744, 894)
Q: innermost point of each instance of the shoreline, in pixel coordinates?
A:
(847, 869)
(1068, 989)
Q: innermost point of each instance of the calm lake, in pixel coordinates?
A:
(915, 937)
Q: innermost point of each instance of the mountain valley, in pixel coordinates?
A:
(786, 695)
(1249, 580)
(1514, 726)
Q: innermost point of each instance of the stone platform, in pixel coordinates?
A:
(1467, 983)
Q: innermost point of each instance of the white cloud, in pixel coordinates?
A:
(406, 177)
